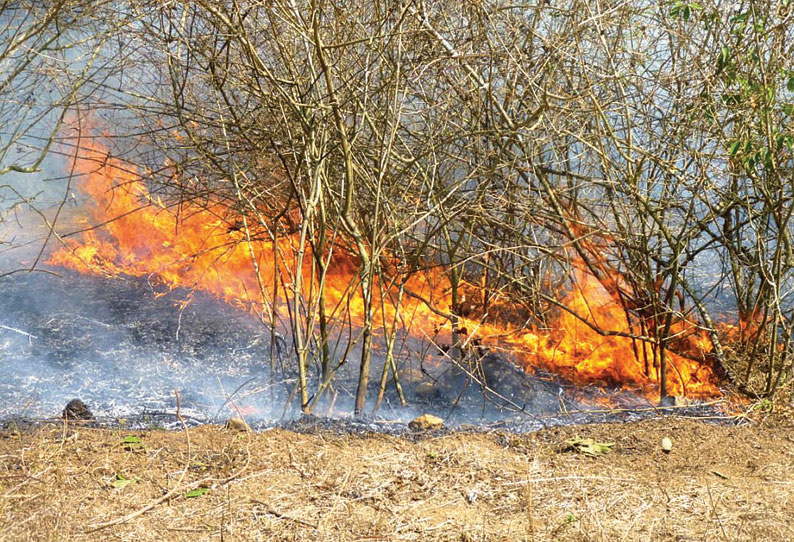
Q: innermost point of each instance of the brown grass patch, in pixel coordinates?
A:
(719, 483)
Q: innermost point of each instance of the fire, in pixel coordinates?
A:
(577, 351)
(132, 232)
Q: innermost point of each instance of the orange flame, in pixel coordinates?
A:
(194, 247)
(581, 354)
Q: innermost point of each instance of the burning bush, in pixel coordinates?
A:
(554, 184)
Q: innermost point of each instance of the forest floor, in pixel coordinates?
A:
(729, 481)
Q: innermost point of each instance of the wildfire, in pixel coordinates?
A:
(574, 349)
(132, 232)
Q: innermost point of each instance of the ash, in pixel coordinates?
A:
(124, 349)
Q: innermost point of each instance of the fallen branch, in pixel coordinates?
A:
(273, 512)
(141, 511)
(15, 330)
(177, 489)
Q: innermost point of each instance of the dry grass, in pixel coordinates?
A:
(719, 483)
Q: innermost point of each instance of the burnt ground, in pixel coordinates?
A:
(125, 348)
(728, 481)
(124, 345)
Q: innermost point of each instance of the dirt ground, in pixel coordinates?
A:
(720, 482)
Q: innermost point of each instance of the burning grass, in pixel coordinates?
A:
(210, 247)
(719, 483)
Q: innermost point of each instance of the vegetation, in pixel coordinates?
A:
(719, 482)
(513, 146)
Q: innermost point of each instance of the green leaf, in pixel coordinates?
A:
(732, 98)
(767, 157)
(589, 447)
(198, 492)
(738, 24)
(790, 84)
(722, 59)
(733, 148)
(684, 10)
(751, 161)
(130, 442)
(122, 481)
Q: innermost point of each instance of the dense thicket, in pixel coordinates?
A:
(648, 144)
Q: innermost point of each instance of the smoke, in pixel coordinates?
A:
(124, 350)
(126, 345)
(115, 346)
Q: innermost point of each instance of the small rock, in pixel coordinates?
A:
(76, 410)
(426, 422)
(667, 445)
(237, 424)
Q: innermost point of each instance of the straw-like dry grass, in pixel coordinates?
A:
(719, 483)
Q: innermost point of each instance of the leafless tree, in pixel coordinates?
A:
(515, 147)
(48, 66)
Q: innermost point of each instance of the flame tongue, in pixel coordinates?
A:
(583, 355)
(197, 248)
(184, 247)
